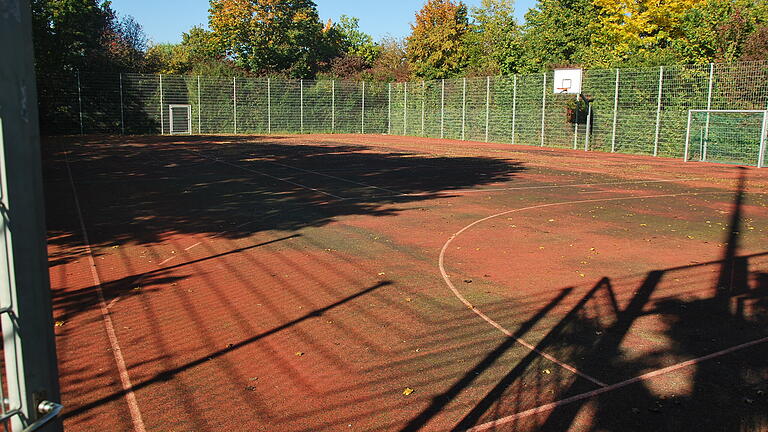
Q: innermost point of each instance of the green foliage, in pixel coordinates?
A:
(196, 54)
(355, 42)
(556, 33)
(492, 40)
(272, 36)
(79, 34)
(724, 31)
(437, 47)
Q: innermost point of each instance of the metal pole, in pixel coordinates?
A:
(514, 108)
(687, 137)
(442, 109)
(362, 112)
(658, 113)
(576, 124)
(615, 112)
(589, 127)
(487, 105)
(709, 107)
(761, 152)
(463, 107)
(80, 102)
(389, 110)
(423, 97)
(405, 108)
(543, 107)
(234, 101)
(122, 114)
(269, 105)
(301, 106)
(199, 108)
(162, 118)
(333, 106)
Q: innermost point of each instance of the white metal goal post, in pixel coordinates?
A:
(730, 136)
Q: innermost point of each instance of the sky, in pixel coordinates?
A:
(165, 20)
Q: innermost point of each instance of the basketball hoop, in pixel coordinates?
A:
(563, 89)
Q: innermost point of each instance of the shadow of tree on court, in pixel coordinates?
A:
(726, 392)
(145, 192)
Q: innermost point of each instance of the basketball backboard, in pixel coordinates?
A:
(568, 81)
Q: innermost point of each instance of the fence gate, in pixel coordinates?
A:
(180, 116)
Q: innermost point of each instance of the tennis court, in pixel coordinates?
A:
(379, 283)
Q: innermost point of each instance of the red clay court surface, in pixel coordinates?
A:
(305, 283)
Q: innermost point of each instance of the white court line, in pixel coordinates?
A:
(612, 387)
(125, 379)
(339, 178)
(446, 278)
(270, 176)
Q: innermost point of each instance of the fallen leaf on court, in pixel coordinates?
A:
(546, 371)
(299, 354)
(250, 388)
(591, 249)
(551, 220)
(690, 237)
(381, 274)
(407, 391)
(408, 299)
(467, 280)
(115, 246)
(59, 324)
(644, 225)
(541, 247)
(581, 274)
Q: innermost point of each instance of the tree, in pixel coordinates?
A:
(271, 36)
(355, 42)
(436, 46)
(723, 31)
(492, 41)
(196, 54)
(641, 32)
(392, 63)
(556, 33)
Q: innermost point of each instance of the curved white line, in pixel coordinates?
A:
(446, 278)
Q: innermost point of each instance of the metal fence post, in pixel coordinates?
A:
(487, 105)
(589, 127)
(389, 109)
(658, 113)
(162, 114)
(301, 106)
(234, 102)
(761, 151)
(122, 113)
(362, 111)
(709, 107)
(543, 107)
(463, 108)
(514, 107)
(687, 137)
(333, 106)
(442, 109)
(405, 108)
(423, 101)
(269, 105)
(199, 107)
(615, 112)
(576, 124)
(80, 102)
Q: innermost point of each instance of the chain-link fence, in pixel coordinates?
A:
(637, 111)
